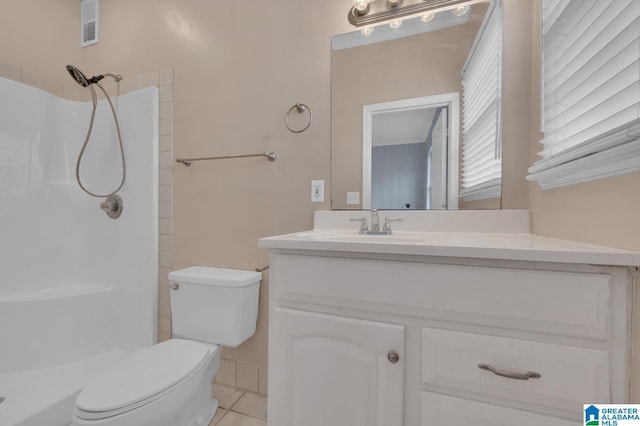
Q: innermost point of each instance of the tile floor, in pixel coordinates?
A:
(239, 407)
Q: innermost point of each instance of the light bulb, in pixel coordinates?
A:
(460, 10)
(361, 5)
(366, 31)
(427, 17)
(395, 24)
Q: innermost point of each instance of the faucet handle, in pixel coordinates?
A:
(387, 224)
(363, 223)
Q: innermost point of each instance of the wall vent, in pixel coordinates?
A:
(88, 22)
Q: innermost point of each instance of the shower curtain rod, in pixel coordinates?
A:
(187, 161)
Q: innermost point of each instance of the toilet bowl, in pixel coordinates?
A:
(169, 384)
(158, 385)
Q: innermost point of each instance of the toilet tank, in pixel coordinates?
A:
(214, 305)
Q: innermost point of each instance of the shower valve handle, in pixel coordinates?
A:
(112, 206)
(108, 205)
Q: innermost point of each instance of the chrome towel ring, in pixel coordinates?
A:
(300, 108)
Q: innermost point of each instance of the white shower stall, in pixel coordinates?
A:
(78, 289)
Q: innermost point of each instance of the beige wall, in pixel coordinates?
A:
(41, 37)
(517, 51)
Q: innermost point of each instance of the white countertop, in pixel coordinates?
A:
(512, 244)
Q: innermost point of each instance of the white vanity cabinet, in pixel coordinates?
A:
(362, 335)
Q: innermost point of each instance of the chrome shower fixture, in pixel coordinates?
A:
(82, 79)
(112, 206)
(113, 203)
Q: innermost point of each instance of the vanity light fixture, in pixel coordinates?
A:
(427, 17)
(361, 7)
(369, 12)
(395, 24)
(366, 31)
(460, 10)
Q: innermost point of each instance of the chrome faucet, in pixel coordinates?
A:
(364, 228)
(386, 229)
(375, 221)
(375, 224)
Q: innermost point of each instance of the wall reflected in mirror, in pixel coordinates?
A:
(412, 66)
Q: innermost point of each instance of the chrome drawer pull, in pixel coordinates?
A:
(510, 374)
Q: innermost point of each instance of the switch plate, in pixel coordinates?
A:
(353, 198)
(317, 191)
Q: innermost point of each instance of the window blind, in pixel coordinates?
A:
(481, 111)
(590, 88)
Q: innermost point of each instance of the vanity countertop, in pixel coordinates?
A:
(511, 243)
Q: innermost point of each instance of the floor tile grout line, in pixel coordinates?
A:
(240, 414)
(230, 408)
(245, 414)
(248, 415)
(222, 417)
(236, 401)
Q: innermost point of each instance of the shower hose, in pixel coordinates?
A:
(94, 100)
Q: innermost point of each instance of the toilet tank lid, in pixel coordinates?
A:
(215, 276)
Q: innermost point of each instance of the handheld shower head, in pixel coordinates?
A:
(82, 79)
(112, 206)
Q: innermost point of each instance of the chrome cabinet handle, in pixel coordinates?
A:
(173, 286)
(393, 357)
(510, 374)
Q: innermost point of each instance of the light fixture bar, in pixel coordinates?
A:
(381, 10)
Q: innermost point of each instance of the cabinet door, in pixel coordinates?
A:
(329, 370)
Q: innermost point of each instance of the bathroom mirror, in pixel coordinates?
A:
(387, 68)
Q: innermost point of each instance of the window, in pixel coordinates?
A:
(481, 111)
(590, 91)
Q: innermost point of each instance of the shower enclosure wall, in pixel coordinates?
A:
(76, 285)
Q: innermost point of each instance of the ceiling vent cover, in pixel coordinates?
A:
(88, 22)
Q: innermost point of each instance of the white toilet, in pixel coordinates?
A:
(169, 384)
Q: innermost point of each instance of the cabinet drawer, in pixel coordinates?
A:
(436, 410)
(566, 303)
(570, 376)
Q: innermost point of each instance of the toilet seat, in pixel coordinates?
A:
(143, 378)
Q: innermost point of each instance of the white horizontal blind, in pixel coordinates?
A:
(481, 111)
(590, 80)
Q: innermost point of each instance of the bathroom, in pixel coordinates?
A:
(236, 69)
